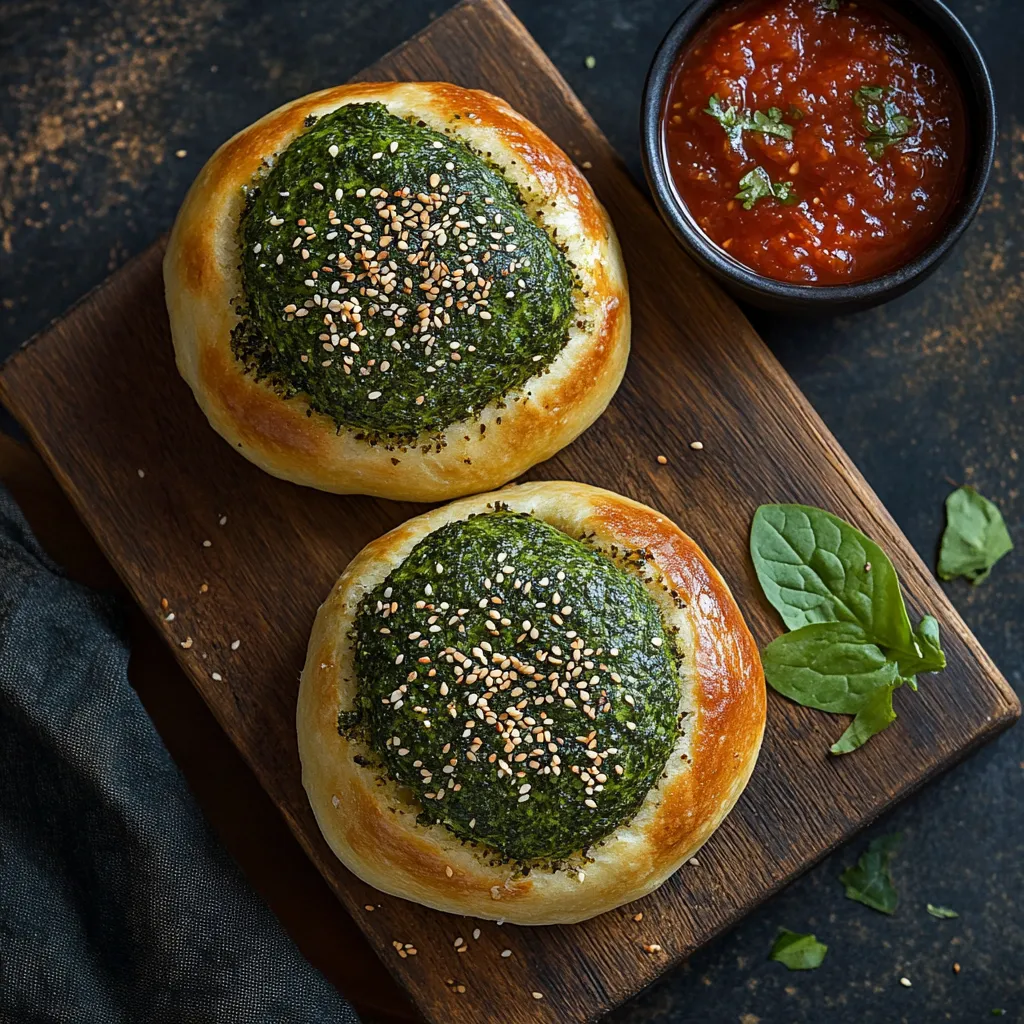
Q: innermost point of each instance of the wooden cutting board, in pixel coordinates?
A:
(100, 398)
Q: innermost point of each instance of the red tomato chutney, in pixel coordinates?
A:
(816, 141)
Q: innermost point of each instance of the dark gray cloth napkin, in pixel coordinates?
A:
(117, 904)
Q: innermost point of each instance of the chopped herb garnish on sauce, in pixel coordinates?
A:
(757, 184)
(828, 5)
(735, 121)
(798, 952)
(885, 124)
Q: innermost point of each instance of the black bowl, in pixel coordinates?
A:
(965, 62)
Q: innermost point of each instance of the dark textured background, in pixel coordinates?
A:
(110, 109)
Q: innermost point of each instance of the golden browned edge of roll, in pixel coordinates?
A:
(376, 835)
(203, 282)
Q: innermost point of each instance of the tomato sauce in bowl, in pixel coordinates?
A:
(817, 142)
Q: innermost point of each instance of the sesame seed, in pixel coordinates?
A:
(537, 995)
(662, 461)
(216, 677)
(697, 445)
(905, 982)
(506, 952)
(235, 644)
(333, 150)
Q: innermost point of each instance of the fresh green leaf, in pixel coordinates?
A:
(943, 912)
(798, 952)
(885, 125)
(814, 567)
(876, 714)
(870, 882)
(735, 121)
(925, 655)
(831, 666)
(975, 537)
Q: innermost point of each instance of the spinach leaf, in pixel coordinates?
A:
(943, 912)
(798, 952)
(926, 654)
(876, 714)
(975, 537)
(831, 666)
(814, 567)
(757, 184)
(870, 882)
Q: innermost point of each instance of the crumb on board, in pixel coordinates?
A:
(187, 642)
(638, 917)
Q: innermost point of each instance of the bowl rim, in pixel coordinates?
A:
(976, 87)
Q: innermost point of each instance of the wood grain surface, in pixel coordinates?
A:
(101, 399)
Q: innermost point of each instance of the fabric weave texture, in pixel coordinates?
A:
(117, 903)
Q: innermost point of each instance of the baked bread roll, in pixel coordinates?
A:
(398, 289)
(533, 704)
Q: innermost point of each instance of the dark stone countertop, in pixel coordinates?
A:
(111, 108)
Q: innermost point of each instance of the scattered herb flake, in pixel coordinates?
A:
(798, 952)
(886, 126)
(870, 881)
(828, 5)
(590, 63)
(975, 537)
(943, 912)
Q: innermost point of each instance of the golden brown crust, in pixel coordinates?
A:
(377, 836)
(202, 280)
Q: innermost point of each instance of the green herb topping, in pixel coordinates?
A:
(798, 952)
(393, 278)
(870, 882)
(941, 912)
(885, 125)
(975, 537)
(735, 121)
(757, 184)
(520, 683)
(851, 644)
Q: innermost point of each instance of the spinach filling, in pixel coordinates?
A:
(392, 277)
(519, 682)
